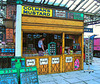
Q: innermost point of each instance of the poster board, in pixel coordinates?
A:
(28, 75)
(8, 76)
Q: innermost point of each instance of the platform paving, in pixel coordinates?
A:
(75, 77)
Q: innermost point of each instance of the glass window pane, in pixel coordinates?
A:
(64, 2)
(96, 10)
(81, 4)
(68, 5)
(87, 4)
(51, 2)
(30, 0)
(91, 6)
(37, 1)
(45, 1)
(57, 2)
(74, 5)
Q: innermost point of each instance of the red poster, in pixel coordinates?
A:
(11, 9)
(9, 33)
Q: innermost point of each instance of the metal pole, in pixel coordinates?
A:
(18, 31)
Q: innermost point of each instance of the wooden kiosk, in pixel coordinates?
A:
(69, 25)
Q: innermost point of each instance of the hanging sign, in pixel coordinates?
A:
(69, 59)
(30, 62)
(43, 61)
(90, 30)
(37, 11)
(60, 13)
(55, 60)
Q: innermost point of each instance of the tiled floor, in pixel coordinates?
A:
(75, 77)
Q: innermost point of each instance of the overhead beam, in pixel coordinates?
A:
(94, 8)
(83, 4)
(97, 11)
(60, 3)
(89, 4)
(66, 3)
(72, 3)
(54, 2)
(78, 4)
(90, 8)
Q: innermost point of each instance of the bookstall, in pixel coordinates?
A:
(61, 33)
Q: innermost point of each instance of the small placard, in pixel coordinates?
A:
(43, 61)
(60, 13)
(69, 59)
(55, 60)
(30, 62)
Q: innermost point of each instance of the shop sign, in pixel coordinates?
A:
(79, 16)
(60, 13)
(37, 11)
(90, 30)
(43, 61)
(70, 15)
(55, 60)
(69, 59)
(30, 62)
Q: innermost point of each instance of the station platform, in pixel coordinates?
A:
(75, 77)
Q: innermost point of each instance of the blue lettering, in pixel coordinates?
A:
(25, 11)
(40, 9)
(40, 14)
(32, 8)
(48, 14)
(25, 7)
(34, 13)
(30, 12)
(29, 8)
(44, 14)
(37, 13)
(37, 9)
(48, 10)
(44, 10)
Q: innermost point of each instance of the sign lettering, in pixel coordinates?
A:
(37, 11)
(44, 61)
(68, 59)
(30, 62)
(55, 60)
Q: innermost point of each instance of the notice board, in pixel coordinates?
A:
(28, 75)
(8, 76)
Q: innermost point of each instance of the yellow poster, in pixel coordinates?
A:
(37, 11)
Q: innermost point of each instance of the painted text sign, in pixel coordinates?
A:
(30, 62)
(55, 60)
(37, 11)
(43, 61)
(8, 79)
(60, 13)
(69, 59)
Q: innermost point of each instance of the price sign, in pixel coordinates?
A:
(30, 62)
(68, 59)
(55, 60)
(44, 61)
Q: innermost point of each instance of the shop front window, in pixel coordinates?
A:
(42, 44)
(72, 44)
